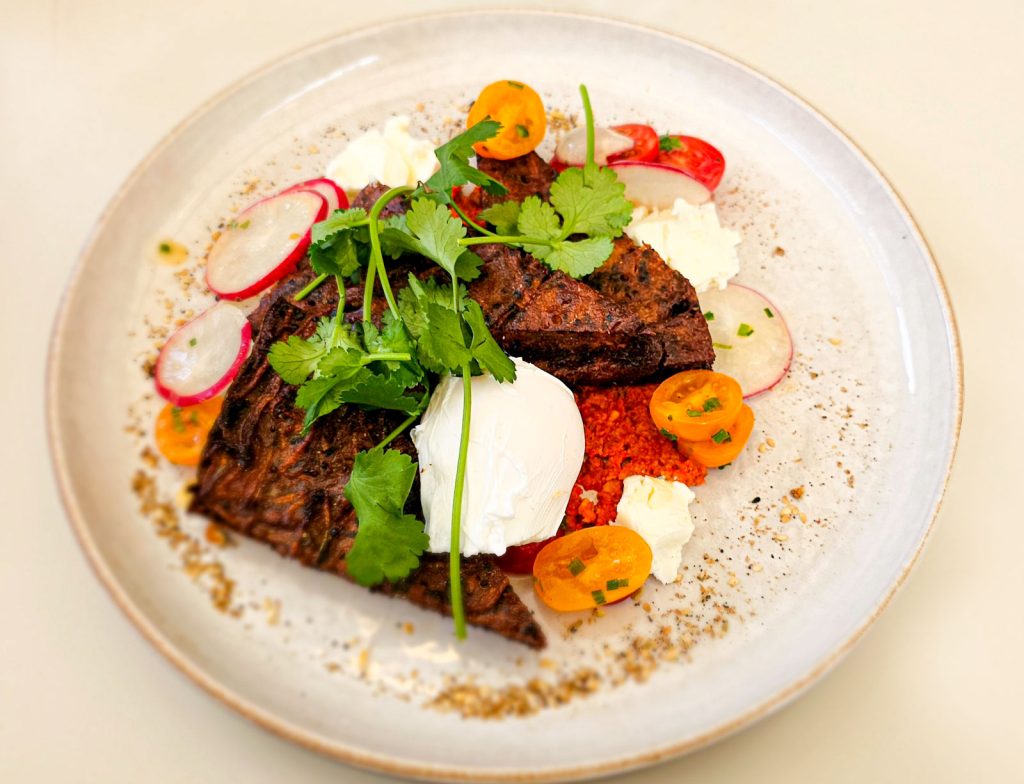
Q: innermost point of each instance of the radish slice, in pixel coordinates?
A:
(758, 360)
(329, 189)
(572, 148)
(263, 244)
(202, 357)
(657, 186)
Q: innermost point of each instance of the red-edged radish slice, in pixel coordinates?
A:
(702, 161)
(263, 244)
(572, 148)
(752, 341)
(657, 186)
(202, 357)
(329, 189)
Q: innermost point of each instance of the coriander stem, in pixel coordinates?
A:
(454, 569)
(506, 239)
(376, 257)
(588, 114)
(312, 286)
(339, 315)
(387, 356)
(399, 430)
(472, 223)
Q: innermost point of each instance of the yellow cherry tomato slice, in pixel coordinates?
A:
(725, 446)
(181, 432)
(591, 567)
(521, 113)
(696, 404)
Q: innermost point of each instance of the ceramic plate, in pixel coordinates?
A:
(799, 545)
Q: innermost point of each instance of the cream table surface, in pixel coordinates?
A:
(932, 92)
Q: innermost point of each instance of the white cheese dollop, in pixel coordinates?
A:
(393, 157)
(525, 452)
(691, 241)
(658, 510)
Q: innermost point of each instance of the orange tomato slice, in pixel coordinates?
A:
(591, 567)
(521, 113)
(181, 432)
(696, 404)
(722, 449)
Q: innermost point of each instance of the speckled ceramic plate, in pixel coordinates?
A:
(799, 544)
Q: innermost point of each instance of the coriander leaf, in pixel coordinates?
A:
(576, 258)
(296, 359)
(394, 337)
(591, 200)
(442, 346)
(486, 351)
(413, 299)
(337, 221)
(388, 543)
(436, 232)
(503, 216)
(538, 219)
(467, 265)
(668, 143)
(341, 362)
(318, 397)
(455, 170)
(371, 389)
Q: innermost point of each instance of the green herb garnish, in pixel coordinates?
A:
(709, 316)
(668, 143)
(721, 437)
(768, 313)
(576, 566)
(745, 331)
(165, 247)
(693, 412)
(622, 582)
(598, 597)
(712, 404)
(722, 345)
(522, 131)
(193, 342)
(670, 436)
(176, 421)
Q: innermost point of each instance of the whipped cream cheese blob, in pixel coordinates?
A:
(392, 157)
(525, 451)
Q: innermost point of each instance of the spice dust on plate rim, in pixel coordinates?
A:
(384, 764)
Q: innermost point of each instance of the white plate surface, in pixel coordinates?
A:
(866, 423)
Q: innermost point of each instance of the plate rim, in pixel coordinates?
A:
(372, 761)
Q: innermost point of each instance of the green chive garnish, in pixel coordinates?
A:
(598, 597)
(745, 331)
(165, 247)
(692, 412)
(670, 436)
(768, 313)
(576, 566)
(711, 404)
(620, 583)
(721, 437)
(709, 316)
(522, 130)
(193, 342)
(721, 345)
(516, 85)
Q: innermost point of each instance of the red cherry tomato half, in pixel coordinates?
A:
(645, 143)
(695, 157)
(519, 559)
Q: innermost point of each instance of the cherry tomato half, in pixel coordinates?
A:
(722, 449)
(645, 143)
(696, 404)
(694, 156)
(591, 567)
(181, 432)
(521, 113)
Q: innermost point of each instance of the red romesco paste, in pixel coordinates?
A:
(621, 441)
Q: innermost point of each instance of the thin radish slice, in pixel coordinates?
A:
(329, 189)
(202, 357)
(752, 341)
(572, 148)
(263, 244)
(657, 186)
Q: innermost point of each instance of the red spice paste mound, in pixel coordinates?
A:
(622, 440)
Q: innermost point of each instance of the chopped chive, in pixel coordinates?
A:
(576, 566)
(721, 345)
(709, 316)
(176, 421)
(711, 404)
(745, 331)
(165, 247)
(598, 597)
(670, 436)
(245, 224)
(622, 582)
(522, 130)
(516, 85)
(723, 467)
(192, 343)
(721, 437)
(692, 412)
(194, 419)
(768, 313)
